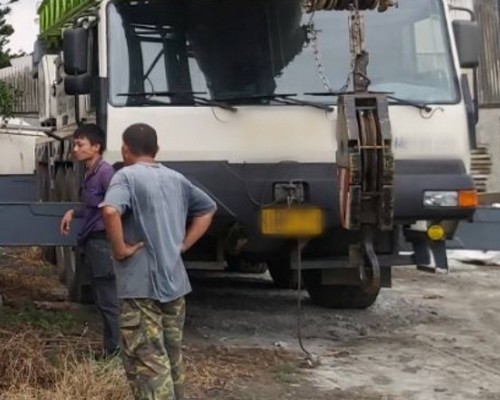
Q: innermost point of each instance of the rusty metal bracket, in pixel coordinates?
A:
(366, 176)
(369, 270)
(365, 161)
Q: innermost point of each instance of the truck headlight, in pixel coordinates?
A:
(462, 198)
(440, 199)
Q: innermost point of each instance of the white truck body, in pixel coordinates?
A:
(17, 144)
(243, 96)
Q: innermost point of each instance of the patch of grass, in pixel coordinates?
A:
(286, 373)
(33, 367)
(245, 396)
(48, 321)
(37, 362)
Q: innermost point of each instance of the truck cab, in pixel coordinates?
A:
(245, 99)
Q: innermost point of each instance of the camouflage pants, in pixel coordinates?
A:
(151, 335)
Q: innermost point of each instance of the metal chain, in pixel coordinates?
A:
(356, 38)
(357, 43)
(313, 39)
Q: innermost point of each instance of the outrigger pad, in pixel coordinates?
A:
(383, 5)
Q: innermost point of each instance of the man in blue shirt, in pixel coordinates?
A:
(88, 148)
(145, 211)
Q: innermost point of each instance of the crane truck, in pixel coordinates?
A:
(329, 132)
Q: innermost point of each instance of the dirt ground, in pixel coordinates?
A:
(429, 337)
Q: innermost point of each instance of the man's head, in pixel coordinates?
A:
(88, 142)
(139, 141)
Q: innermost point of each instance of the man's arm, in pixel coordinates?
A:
(196, 229)
(201, 209)
(116, 202)
(78, 211)
(113, 223)
(66, 220)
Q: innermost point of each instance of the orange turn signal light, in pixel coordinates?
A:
(468, 199)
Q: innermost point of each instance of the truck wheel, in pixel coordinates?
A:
(43, 194)
(61, 264)
(76, 277)
(244, 266)
(72, 184)
(60, 191)
(284, 277)
(337, 296)
(43, 182)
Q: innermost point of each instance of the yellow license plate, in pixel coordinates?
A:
(295, 222)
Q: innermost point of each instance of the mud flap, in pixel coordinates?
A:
(429, 255)
(369, 268)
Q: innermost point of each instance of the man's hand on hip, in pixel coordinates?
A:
(126, 250)
(114, 229)
(196, 229)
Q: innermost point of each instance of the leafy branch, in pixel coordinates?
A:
(8, 93)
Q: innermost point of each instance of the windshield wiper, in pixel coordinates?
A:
(214, 103)
(161, 94)
(189, 95)
(257, 97)
(420, 106)
(283, 98)
(144, 102)
(287, 100)
(324, 93)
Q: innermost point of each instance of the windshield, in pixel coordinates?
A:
(244, 51)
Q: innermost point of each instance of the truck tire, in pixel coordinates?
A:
(60, 189)
(337, 296)
(43, 182)
(76, 277)
(284, 277)
(61, 264)
(72, 184)
(244, 266)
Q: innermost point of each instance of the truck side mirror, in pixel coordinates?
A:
(76, 51)
(39, 50)
(467, 36)
(78, 85)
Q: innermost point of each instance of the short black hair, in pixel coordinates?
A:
(92, 133)
(141, 139)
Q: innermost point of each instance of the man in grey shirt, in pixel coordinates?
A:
(145, 212)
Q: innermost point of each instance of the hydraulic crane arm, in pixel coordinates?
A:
(364, 156)
(316, 5)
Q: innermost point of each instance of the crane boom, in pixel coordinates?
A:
(56, 14)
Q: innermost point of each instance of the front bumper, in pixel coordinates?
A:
(241, 190)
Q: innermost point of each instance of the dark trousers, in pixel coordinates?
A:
(100, 264)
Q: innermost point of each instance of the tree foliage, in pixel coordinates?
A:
(7, 100)
(7, 92)
(6, 31)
